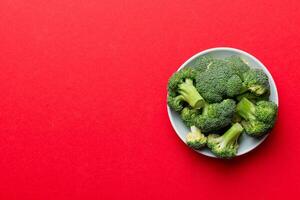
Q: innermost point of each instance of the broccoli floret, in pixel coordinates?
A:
(259, 118)
(175, 103)
(256, 81)
(181, 90)
(266, 111)
(200, 63)
(218, 82)
(195, 139)
(225, 146)
(229, 78)
(238, 65)
(188, 115)
(255, 128)
(215, 116)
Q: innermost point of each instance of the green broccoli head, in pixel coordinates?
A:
(266, 111)
(255, 128)
(225, 146)
(222, 79)
(238, 65)
(195, 139)
(258, 118)
(213, 82)
(181, 90)
(180, 77)
(175, 102)
(200, 63)
(256, 81)
(188, 115)
(215, 116)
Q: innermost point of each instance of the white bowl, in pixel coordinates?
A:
(247, 143)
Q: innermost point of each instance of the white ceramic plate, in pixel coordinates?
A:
(246, 143)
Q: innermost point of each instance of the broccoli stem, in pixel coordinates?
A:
(246, 109)
(190, 94)
(231, 135)
(205, 109)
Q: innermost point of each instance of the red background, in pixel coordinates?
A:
(83, 99)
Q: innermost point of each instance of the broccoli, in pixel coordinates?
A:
(238, 65)
(181, 90)
(256, 81)
(229, 78)
(195, 139)
(188, 115)
(258, 118)
(215, 116)
(218, 82)
(200, 63)
(225, 146)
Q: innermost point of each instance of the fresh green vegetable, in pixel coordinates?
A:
(188, 116)
(213, 117)
(258, 118)
(225, 146)
(181, 90)
(220, 80)
(195, 139)
(200, 63)
(216, 116)
(229, 78)
(256, 81)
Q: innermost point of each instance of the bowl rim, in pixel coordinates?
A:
(241, 52)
